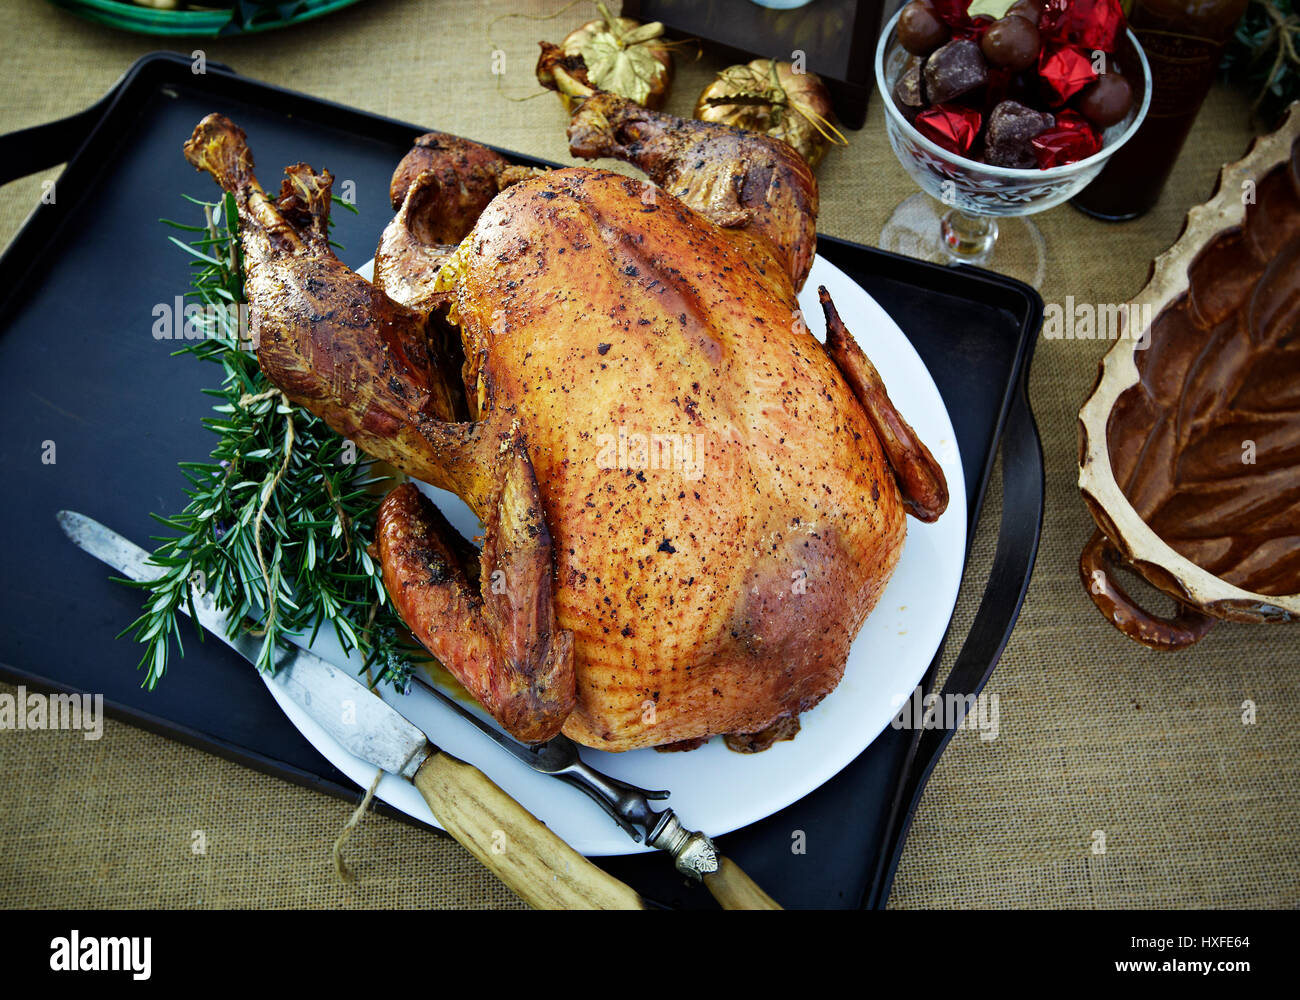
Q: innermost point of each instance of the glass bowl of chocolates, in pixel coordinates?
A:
(1000, 109)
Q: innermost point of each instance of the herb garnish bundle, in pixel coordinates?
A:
(277, 520)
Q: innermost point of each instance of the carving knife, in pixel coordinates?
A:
(541, 868)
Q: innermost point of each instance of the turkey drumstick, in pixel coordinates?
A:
(368, 366)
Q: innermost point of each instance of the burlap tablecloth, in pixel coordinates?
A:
(1197, 808)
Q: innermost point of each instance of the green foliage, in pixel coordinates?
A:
(277, 520)
(1264, 56)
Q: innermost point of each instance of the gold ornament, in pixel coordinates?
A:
(621, 56)
(776, 99)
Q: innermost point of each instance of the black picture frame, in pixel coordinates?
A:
(838, 38)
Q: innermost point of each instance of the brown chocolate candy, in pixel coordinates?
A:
(954, 69)
(919, 29)
(1011, 42)
(1030, 10)
(909, 93)
(1106, 100)
(1011, 131)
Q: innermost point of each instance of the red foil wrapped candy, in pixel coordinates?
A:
(951, 126)
(1064, 73)
(1071, 139)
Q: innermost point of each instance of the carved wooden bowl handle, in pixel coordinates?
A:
(1096, 564)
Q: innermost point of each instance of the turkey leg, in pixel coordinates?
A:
(343, 349)
(499, 640)
(330, 340)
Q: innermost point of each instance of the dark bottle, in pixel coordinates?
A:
(1183, 41)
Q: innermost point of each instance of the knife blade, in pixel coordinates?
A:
(540, 867)
(373, 731)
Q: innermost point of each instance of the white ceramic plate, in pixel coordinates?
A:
(713, 789)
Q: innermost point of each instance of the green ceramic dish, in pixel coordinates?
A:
(240, 18)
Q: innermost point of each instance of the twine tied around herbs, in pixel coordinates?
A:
(340, 866)
(248, 399)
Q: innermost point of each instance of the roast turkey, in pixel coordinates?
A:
(689, 504)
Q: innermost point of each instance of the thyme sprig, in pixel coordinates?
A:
(277, 520)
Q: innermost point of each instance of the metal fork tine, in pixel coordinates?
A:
(627, 805)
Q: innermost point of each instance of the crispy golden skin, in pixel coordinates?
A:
(713, 582)
(438, 191)
(690, 506)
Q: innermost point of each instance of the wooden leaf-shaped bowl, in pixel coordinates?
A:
(1189, 447)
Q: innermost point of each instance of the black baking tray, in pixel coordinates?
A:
(80, 368)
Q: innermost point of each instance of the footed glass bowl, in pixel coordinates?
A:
(956, 220)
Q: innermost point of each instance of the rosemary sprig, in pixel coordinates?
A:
(277, 519)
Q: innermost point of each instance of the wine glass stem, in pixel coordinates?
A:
(967, 239)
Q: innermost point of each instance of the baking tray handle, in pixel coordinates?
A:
(31, 149)
(1013, 562)
(40, 147)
